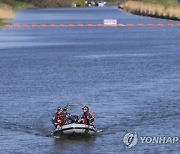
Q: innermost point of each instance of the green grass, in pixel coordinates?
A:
(164, 2)
(2, 23)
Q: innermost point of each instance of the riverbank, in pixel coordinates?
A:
(7, 8)
(7, 11)
(152, 9)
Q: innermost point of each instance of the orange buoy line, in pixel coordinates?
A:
(160, 25)
(150, 25)
(130, 25)
(87, 25)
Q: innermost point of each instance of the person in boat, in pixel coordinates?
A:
(59, 119)
(87, 117)
(69, 118)
(54, 119)
(66, 114)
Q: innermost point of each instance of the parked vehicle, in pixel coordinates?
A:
(101, 3)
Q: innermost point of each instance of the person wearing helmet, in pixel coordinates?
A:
(55, 116)
(66, 114)
(87, 117)
(58, 118)
(61, 119)
(65, 111)
(69, 118)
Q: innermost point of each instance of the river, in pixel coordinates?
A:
(128, 76)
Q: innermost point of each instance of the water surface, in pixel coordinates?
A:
(129, 77)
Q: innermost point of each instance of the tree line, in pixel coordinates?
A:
(46, 3)
(53, 3)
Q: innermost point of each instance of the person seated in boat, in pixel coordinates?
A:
(87, 117)
(69, 118)
(61, 119)
(54, 119)
(66, 114)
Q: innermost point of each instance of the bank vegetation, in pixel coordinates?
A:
(8, 7)
(159, 10)
(6, 13)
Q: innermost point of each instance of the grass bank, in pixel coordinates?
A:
(164, 2)
(7, 12)
(167, 10)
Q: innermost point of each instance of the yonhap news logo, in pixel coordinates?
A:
(131, 139)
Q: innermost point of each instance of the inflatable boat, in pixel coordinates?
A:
(75, 129)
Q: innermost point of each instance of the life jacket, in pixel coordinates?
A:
(61, 119)
(87, 118)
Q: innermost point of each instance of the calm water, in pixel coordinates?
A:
(129, 77)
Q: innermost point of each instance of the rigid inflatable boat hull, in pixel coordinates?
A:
(75, 129)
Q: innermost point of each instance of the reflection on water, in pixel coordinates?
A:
(68, 145)
(84, 141)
